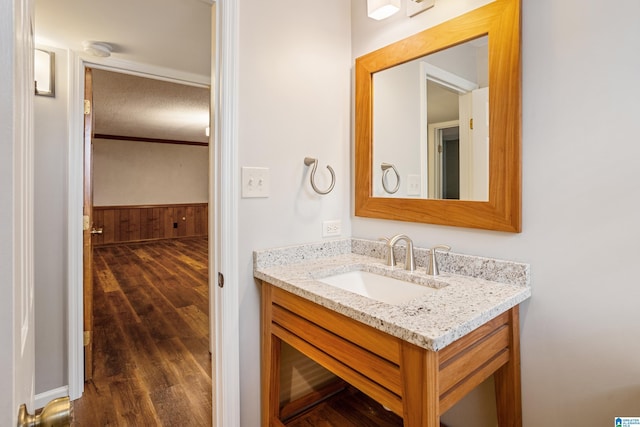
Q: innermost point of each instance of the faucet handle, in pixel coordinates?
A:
(432, 265)
(391, 259)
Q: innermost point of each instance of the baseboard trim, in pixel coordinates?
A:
(42, 399)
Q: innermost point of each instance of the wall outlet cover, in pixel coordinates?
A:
(331, 228)
(413, 185)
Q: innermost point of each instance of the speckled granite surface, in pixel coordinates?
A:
(470, 290)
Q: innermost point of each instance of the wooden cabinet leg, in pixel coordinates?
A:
(270, 365)
(507, 379)
(420, 394)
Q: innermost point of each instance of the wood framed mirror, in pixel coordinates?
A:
(497, 23)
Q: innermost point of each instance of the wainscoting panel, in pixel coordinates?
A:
(150, 222)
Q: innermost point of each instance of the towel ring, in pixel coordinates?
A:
(385, 168)
(311, 161)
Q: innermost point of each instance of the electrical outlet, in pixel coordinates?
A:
(415, 7)
(331, 228)
(413, 185)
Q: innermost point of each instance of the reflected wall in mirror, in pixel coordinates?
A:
(448, 173)
(430, 120)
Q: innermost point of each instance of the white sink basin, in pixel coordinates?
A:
(377, 287)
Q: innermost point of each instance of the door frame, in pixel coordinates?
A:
(225, 197)
(222, 226)
(87, 237)
(17, 327)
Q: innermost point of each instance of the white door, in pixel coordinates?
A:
(480, 138)
(474, 145)
(16, 209)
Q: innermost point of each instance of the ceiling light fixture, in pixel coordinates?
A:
(381, 9)
(100, 49)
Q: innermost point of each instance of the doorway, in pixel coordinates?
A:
(444, 160)
(148, 177)
(449, 150)
(224, 305)
(224, 322)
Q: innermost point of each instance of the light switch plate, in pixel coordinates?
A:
(255, 182)
(415, 7)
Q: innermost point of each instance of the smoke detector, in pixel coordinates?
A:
(99, 49)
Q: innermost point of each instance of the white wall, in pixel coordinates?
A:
(51, 136)
(294, 94)
(146, 173)
(580, 330)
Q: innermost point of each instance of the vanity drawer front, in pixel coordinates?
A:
(377, 342)
(469, 361)
(370, 365)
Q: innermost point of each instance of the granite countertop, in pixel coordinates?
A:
(470, 290)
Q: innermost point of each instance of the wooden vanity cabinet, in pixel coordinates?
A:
(415, 383)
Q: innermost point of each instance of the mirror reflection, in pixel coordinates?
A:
(431, 126)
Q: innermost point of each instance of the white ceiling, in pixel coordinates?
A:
(132, 106)
(174, 34)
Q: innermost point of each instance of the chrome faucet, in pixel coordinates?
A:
(432, 263)
(410, 263)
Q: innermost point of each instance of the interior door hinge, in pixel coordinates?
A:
(86, 338)
(87, 107)
(471, 124)
(85, 222)
(220, 280)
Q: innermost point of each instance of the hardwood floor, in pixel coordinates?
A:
(349, 408)
(151, 348)
(151, 337)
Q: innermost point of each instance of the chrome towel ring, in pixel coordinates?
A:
(311, 161)
(385, 168)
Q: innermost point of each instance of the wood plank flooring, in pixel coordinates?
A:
(349, 408)
(152, 365)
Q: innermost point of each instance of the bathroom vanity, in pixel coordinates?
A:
(416, 343)
(417, 356)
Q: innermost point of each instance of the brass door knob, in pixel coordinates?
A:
(56, 413)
